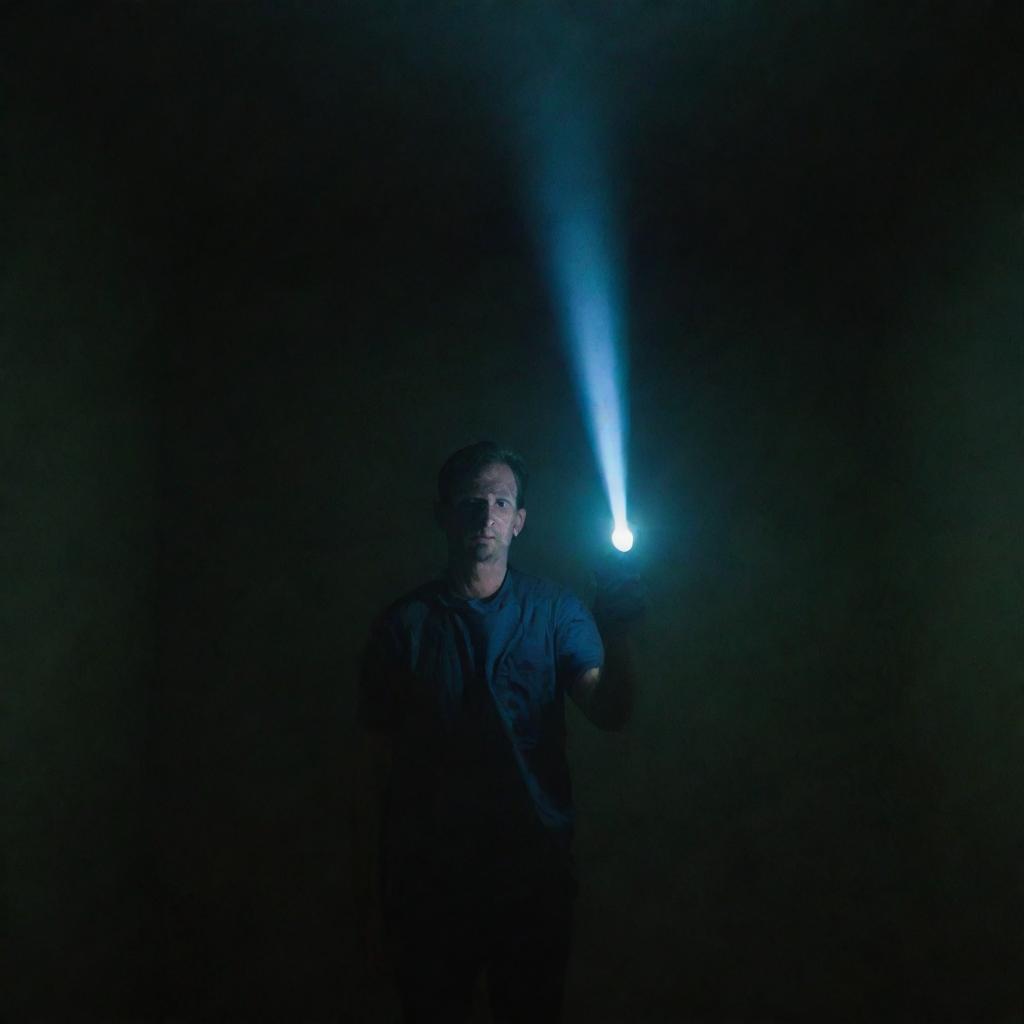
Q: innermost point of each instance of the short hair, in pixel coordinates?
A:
(467, 463)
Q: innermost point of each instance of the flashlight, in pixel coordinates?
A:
(622, 538)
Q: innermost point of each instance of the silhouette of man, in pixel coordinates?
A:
(465, 811)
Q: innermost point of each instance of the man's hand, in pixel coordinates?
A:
(621, 597)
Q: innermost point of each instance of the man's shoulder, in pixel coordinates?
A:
(415, 605)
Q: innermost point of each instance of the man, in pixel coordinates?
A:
(465, 812)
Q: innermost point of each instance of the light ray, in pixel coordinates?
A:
(579, 244)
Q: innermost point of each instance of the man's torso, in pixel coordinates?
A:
(480, 794)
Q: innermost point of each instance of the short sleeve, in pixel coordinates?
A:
(379, 671)
(578, 644)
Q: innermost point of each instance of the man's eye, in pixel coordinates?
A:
(501, 503)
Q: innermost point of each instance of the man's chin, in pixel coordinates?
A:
(483, 550)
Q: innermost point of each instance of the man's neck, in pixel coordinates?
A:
(478, 580)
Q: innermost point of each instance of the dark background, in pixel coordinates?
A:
(266, 264)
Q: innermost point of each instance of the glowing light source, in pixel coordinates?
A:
(622, 538)
(576, 226)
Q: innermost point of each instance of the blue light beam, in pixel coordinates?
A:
(578, 243)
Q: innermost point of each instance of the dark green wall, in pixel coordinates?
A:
(79, 593)
(266, 267)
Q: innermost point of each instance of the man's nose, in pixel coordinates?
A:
(482, 513)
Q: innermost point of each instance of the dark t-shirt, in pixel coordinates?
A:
(473, 693)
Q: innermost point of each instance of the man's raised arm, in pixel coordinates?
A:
(606, 694)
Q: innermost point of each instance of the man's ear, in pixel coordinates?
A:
(520, 522)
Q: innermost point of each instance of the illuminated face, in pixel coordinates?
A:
(481, 518)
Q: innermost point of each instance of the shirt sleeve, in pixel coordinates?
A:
(578, 644)
(377, 705)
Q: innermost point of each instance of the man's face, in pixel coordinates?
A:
(481, 518)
